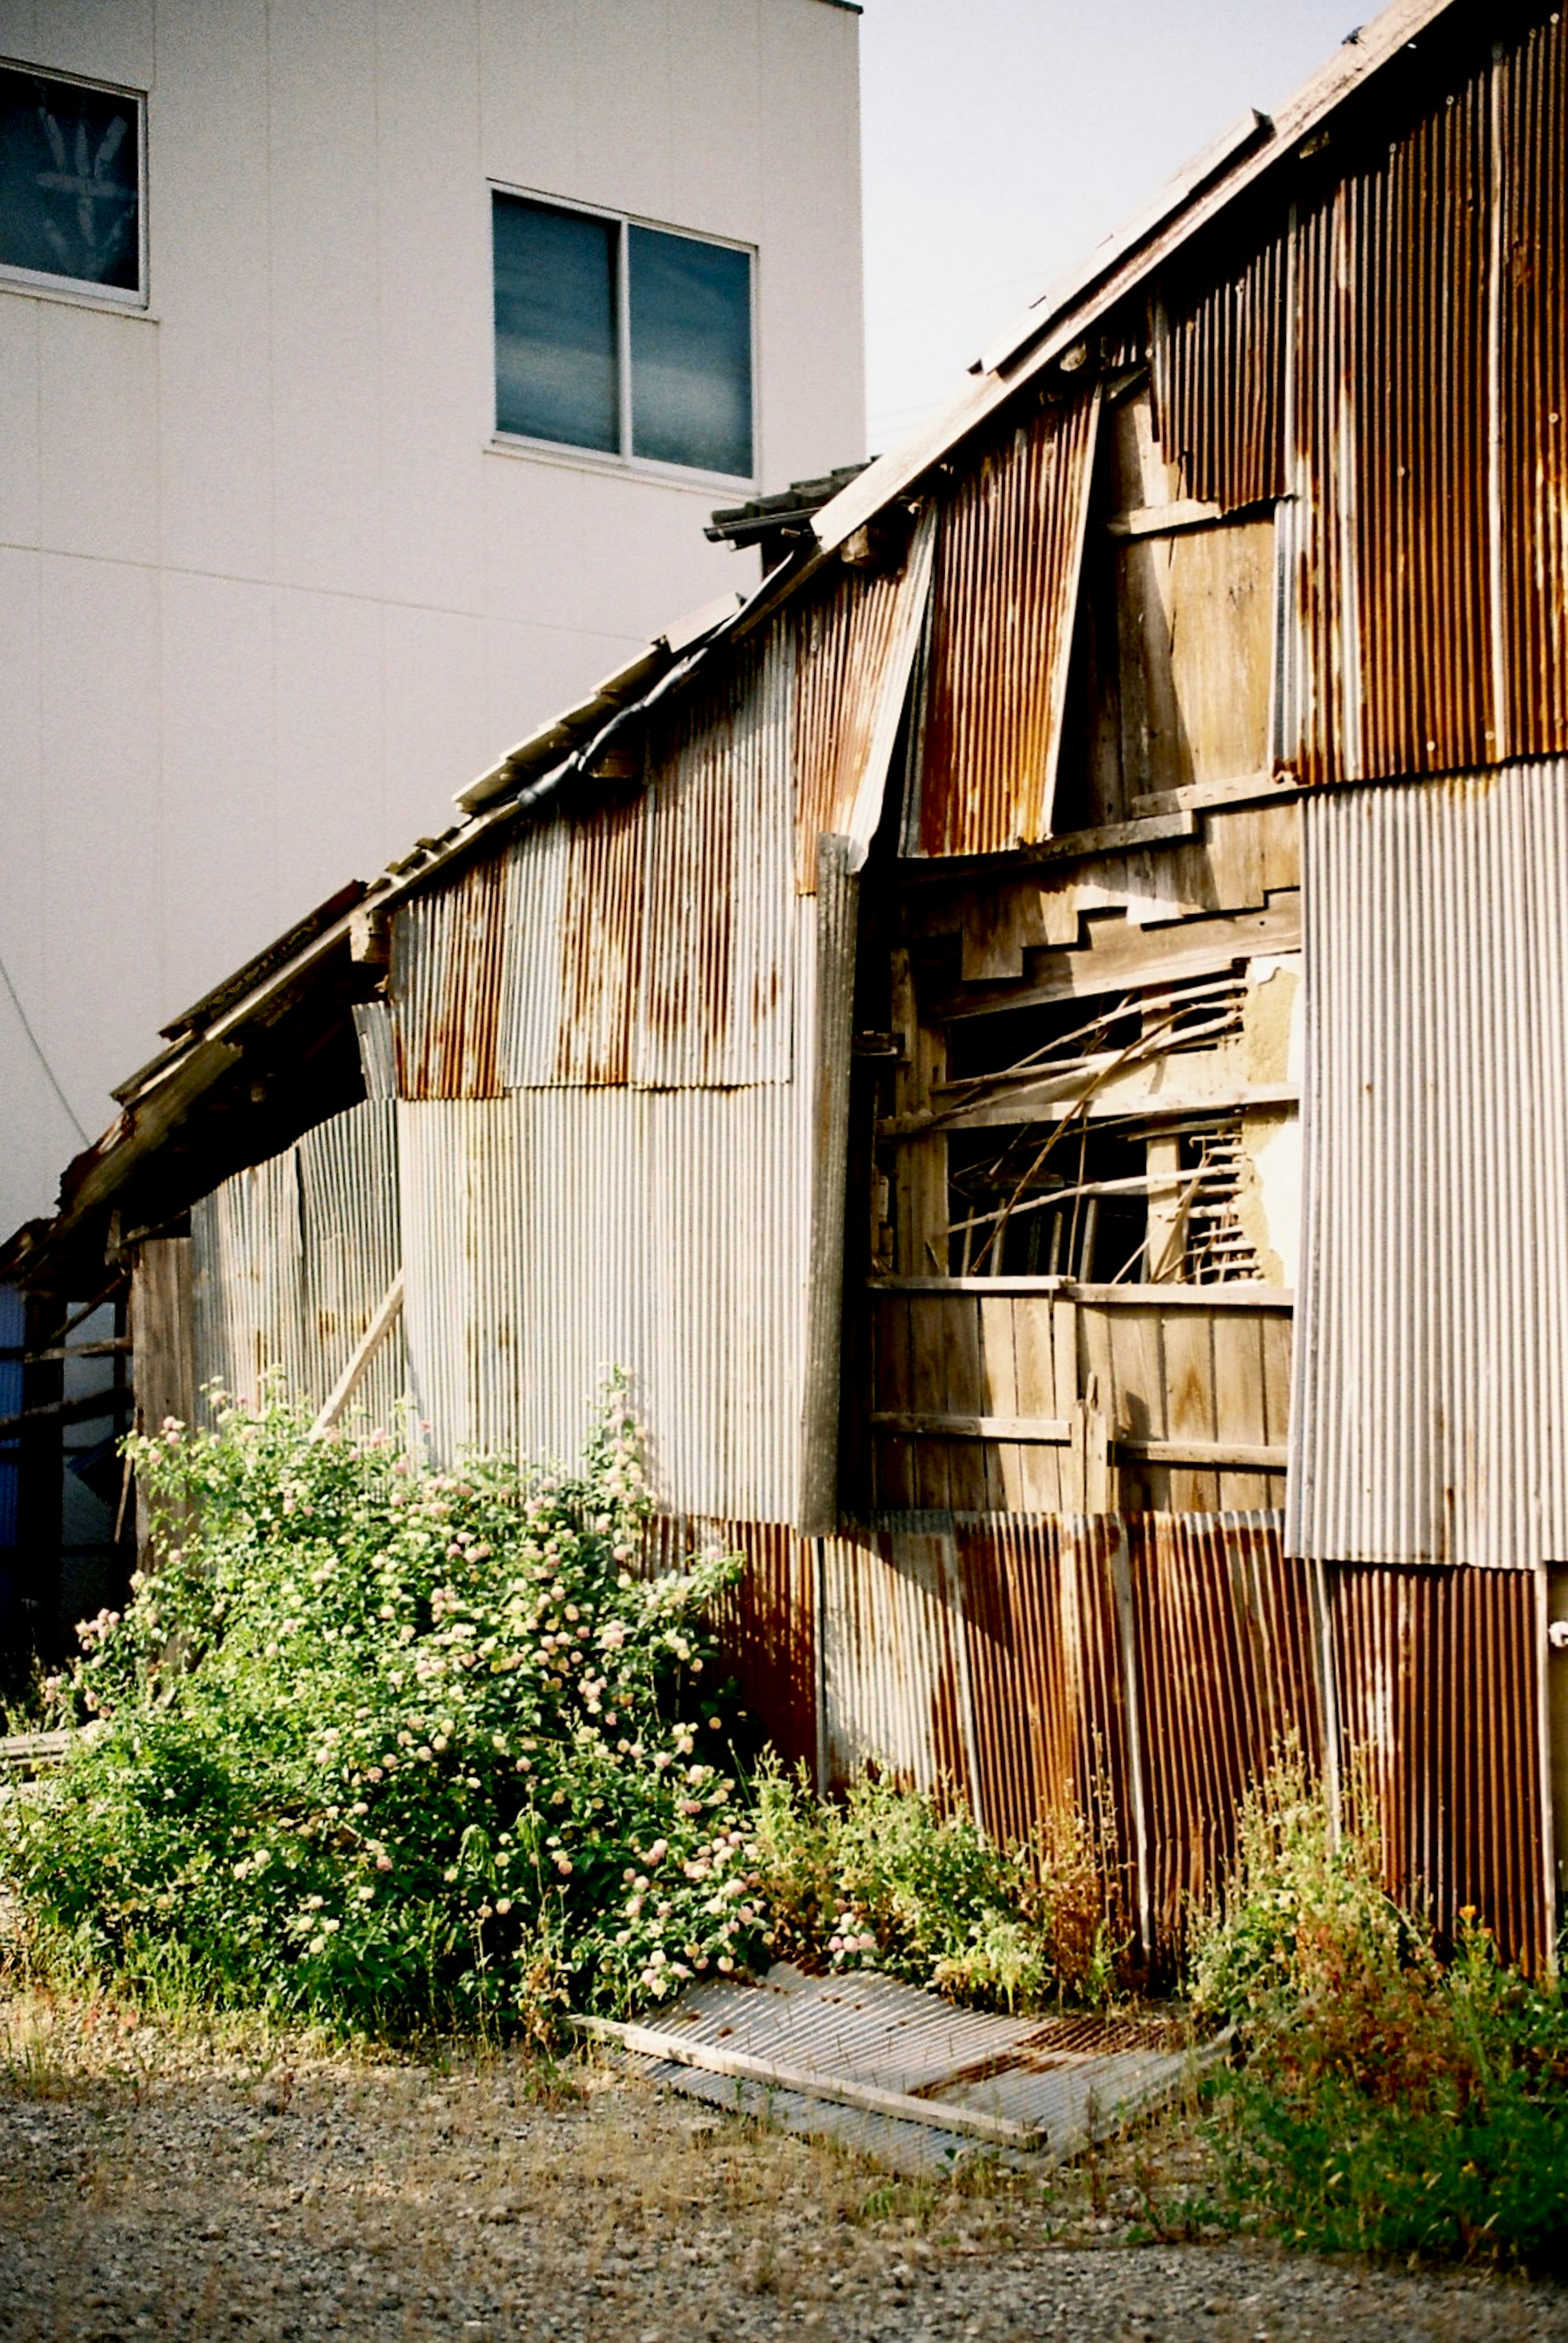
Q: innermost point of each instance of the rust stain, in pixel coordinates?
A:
(1409, 317)
(446, 987)
(1006, 571)
(843, 638)
(1438, 1703)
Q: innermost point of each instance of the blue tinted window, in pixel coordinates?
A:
(70, 167)
(556, 372)
(690, 352)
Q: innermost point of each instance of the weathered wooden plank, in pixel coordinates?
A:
(1279, 1300)
(1047, 1430)
(1212, 1455)
(1039, 1391)
(1239, 1405)
(930, 1395)
(1189, 1405)
(838, 903)
(1248, 788)
(999, 1374)
(969, 1469)
(163, 1332)
(1278, 1342)
(1120, 954)
(1203, 1082)
(892, 1461)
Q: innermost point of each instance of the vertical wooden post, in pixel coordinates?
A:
(838, 898)
(921, 1202)
(40, 1456)
(163, 1334)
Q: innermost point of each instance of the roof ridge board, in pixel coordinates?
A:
(1105, 280)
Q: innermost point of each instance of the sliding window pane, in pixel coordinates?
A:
(70, 164)
(690, 352)
(555, 325)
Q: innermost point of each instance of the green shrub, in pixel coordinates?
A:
(898, 1882)
(1387, 2103)
(389, 1750)
(393, 1749)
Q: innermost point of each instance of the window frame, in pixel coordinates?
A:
(15, 278)
(622, 459)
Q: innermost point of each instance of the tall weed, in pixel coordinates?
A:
(1389, 2103)
(907, 1883)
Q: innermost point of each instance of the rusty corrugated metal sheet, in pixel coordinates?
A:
(855, 644)
(1216, 363)
(1228, 1642)
(644, 939)
(1439, 1691)
(445, 986)
(1532, 453)
(765, 1622)
(290, 1260)
(554, 1234)
(895, 1667)
(1390, 357)
(1430, 1417)
(1144, 1671)
(1047, 1678)
(1009, 554)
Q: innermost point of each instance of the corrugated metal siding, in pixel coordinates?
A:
(1215, 367)
(894, 1664)
(1531, 452)
(445, 987)
(855, 647)
(1390, 356)
(1431, 1413)
(1007, 558)
(647, 940)
(554, 1234)
(290, 1260)
(1144, 1670)
(1227, 1639)
(1047, 1677)
(1438, 1704)
(377, 1058)
(767, 1623)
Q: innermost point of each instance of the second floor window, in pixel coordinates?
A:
(70, 182)
(631, 340)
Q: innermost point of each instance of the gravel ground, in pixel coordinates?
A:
(154, 2181)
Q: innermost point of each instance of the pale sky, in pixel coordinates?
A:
(1004, 137)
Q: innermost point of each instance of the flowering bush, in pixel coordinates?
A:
(393, 1749)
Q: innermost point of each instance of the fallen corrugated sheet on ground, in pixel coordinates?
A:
(903, 2076)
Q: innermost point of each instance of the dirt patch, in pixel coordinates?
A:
(159, 2180)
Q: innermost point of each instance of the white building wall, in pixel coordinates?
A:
(268, 592)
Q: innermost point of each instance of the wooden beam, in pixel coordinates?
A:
(1167, 827)
(1205, 1456)
(364, 1351)
(1118, 956)
(1196, 797)
(712, 2058)
(1239, 1296)
(1180, 1093)
(1164, 520)
(838, 903)
(1042, 1431)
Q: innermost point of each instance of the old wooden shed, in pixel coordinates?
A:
(1038, 1039)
